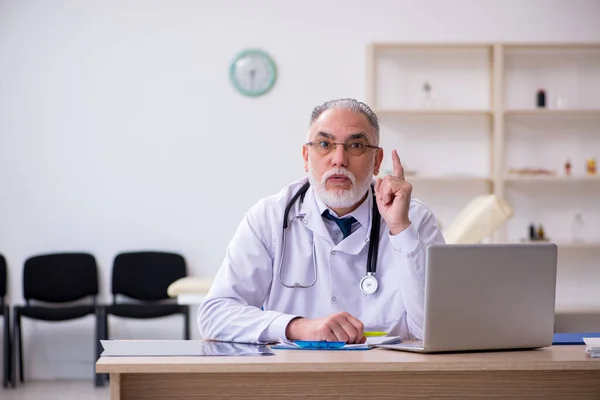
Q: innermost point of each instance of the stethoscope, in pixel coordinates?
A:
(368, 284)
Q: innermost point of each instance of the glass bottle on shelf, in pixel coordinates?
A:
(561, 102)
(532, 233)
(541, 98)
(578, 229)
(568, 167)
(427, 98)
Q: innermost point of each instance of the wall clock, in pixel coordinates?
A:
(253, 72)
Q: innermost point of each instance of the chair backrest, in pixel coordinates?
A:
(3, 281)
(146, 275)
(60, 277)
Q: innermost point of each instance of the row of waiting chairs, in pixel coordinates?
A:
(56, 286)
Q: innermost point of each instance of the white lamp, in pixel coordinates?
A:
(478, 220)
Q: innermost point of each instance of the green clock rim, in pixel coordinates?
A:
(267, 57)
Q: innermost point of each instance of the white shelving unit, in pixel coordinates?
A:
(482, 121)
(421, 130)
(483, 124)
(568, 128)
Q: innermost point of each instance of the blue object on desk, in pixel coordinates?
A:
(572, 338)
(319, 344)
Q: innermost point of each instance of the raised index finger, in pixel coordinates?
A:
(398, 170)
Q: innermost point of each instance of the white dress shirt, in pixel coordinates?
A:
(249, 278)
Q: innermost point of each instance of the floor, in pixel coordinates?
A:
(54, 390)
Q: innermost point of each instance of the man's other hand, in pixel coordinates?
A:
(340, 327)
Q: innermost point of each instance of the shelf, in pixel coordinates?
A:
(430, 46)
(567, 245)
(459, 78)
(565, 112)
(432, 112)
(448, 179)
(554, 179)
(474, 112)
(552, 46)
(506, 45)
(584, 245)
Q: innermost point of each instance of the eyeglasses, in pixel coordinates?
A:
(353, 147)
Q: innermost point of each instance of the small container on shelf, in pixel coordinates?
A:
(541, 235)
(561, 103)
(536, 234)
(568, 167)
(427, 102)
(541, 98)
(532, 232)
(591, 166)
(578, 229)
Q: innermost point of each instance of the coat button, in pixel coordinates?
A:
(332, 252)
(333, 299)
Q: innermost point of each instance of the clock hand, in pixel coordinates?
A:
(252, 76)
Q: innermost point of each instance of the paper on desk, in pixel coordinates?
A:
(372, 341)
(592, 342)
(592, 346)
(285, 344)
(157, 348)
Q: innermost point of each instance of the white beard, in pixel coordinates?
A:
(338, 198)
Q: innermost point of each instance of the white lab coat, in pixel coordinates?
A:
(248, 279)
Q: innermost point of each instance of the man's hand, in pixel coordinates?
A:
(393, 197)
(340, 327)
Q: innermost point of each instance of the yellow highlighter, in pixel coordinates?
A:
(372, 334)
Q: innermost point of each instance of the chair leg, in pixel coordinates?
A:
(99, 335)
(12, 377)
(6, 374)
(106, 336)
(19, 338)
(186, 324)
(16, 344)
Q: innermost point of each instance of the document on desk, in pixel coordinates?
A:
(592, 346)
(167, 348)
(285, 344)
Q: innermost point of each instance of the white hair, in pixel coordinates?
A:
(350, 105)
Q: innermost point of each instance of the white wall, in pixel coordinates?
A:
(119, 129)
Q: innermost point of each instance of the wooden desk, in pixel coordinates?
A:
(559, 372)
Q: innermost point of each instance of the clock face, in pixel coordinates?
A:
(253, 72)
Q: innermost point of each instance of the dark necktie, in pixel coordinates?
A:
(345, 224)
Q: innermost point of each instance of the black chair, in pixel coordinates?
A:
(5, 312)
(54, 288)
(144, 277)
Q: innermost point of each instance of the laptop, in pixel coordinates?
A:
(487, 297)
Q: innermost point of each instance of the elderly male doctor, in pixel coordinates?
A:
(317, 284)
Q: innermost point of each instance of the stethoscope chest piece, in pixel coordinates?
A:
(369, 284)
